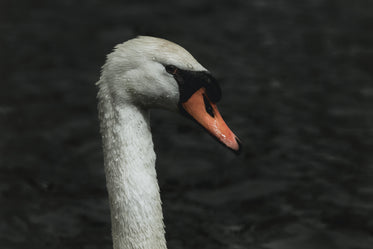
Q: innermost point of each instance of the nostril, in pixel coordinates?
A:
(208, 106)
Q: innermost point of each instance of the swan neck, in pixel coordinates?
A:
(129, 157)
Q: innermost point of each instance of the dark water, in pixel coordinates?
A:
(297, 82)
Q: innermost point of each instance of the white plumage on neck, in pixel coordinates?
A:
(136, 214)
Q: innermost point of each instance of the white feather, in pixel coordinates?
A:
(132, 81)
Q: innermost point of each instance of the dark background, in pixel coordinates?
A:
(297, 84)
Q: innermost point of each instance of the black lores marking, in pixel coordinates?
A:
(191, 81)
(208, 106)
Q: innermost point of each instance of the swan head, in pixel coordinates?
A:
(155, 73)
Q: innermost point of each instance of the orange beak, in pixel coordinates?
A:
(207, 114)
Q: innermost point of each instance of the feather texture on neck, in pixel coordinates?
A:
(135, 204)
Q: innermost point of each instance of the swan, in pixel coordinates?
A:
(140, 74)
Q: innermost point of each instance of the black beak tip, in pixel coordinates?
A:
(238, 152)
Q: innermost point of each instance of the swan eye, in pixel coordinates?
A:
(171, 69)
